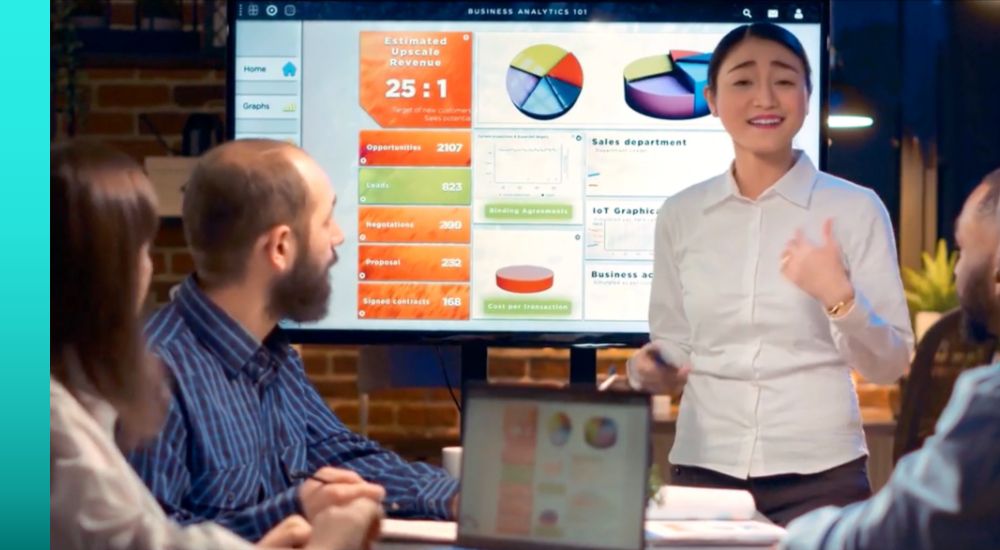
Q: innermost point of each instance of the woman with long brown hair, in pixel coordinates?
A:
(103, 213)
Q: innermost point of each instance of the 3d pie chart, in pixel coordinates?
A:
(559, 428)
(525, 279)
(544, 81)
(600, 432)
(668, 86)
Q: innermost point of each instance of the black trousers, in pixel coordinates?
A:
(785, 497)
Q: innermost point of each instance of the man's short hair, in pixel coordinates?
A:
(236, 193)
(988, 205)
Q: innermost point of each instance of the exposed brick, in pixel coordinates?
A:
(107, 124)
(317, 363)
(507, 367)
(343, 351)
(604, 366)
(873, 395)
(84, 93)
(385, 435)
(349, 414)
(381, 415)
(197, 95)
(412, 416)
(179, 74)
(336, 388)
(443, 395)
(428, 417)
(109, 74)
(401, 394)
(122, 15)
(181, 263)
(159, 262)
(164, 123)
(171, 235)
(138, 148)
(316, 348)
(549, 369)
(160, 291)
(345, 364)
(133, 95)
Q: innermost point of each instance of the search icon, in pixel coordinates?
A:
(747, 14)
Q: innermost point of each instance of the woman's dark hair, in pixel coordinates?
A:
(763, 31)
(103, 211)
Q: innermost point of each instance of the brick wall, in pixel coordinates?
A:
(126, 107)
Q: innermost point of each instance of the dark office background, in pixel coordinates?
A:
(927, 68)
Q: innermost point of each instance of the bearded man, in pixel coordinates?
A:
(248, 440)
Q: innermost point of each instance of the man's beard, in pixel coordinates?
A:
(977, 307)
(303, 294)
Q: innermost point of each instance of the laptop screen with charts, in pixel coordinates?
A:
(545, 468)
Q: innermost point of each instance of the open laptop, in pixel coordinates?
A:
(547, 468)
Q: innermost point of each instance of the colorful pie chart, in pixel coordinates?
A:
(544, 81)
(559, 429)
(668, 86)
(600, 432)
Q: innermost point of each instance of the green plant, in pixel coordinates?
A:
(655, 482)
(67, 81)
(932, 289)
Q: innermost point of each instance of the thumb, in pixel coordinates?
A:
(828, 239)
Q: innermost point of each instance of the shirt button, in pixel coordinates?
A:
(394, 506)
(230, 498)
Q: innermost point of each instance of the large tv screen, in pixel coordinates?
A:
(498, 166)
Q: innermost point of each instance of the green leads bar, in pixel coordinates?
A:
(526, 307)
(556, 489)
(444, 186)
(528, 211)
(517, 474)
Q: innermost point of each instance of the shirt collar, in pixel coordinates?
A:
(223, 335)
(795, 186)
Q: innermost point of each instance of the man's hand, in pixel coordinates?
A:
(293, 532)
(354, 526)
(338, 488)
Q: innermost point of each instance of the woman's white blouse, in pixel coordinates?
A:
(770, 390)
(96, 499)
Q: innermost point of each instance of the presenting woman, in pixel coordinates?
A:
(771, 283)
(103, 222)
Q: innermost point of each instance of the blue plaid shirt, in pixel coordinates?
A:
(245, 422)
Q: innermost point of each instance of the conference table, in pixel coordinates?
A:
(399, 545)
(879, 427)
(514, 546)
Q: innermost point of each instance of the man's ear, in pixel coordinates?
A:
(279, 247)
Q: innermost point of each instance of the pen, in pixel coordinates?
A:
(302, 476)
(612, 376)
